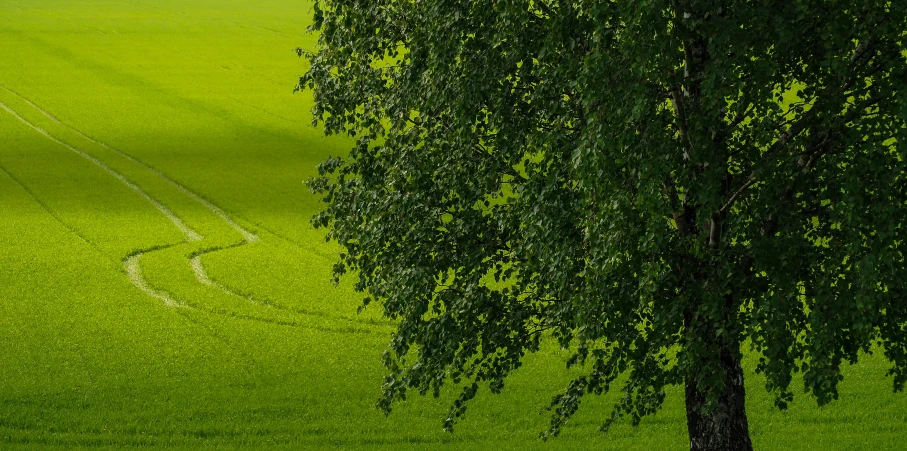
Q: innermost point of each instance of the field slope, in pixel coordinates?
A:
(160, 285)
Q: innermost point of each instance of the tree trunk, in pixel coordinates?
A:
(726, 427)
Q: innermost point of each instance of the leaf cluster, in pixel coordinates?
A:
(649, 183)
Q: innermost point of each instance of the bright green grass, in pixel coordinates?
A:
(189, 103)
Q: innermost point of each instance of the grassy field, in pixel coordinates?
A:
(160, 285)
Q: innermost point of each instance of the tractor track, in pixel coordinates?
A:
(134, 272)
(190, 234)
(246, 234)
(50, 212)
(131, 262)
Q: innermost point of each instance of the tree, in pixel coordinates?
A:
(659, 185)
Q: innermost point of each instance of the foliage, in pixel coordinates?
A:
(90, 361)
(654, 184)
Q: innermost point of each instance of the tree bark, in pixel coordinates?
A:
(725, 428)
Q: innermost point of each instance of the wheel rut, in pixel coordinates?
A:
(190, 234)
(134, 272)
(132, 262)
(246, 234)
(50, 212)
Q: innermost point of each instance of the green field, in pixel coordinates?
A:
(160, 285)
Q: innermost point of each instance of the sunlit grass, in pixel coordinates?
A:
(191, 102)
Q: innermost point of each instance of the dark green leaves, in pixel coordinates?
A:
(650, 183)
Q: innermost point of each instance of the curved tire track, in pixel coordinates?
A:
(51, 212)
(195, 261)
(246, 234)
(131, 264)
(134, 272)
(190, 234)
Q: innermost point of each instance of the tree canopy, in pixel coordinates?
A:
(659, 185)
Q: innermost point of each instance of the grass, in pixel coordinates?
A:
(117, 114)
